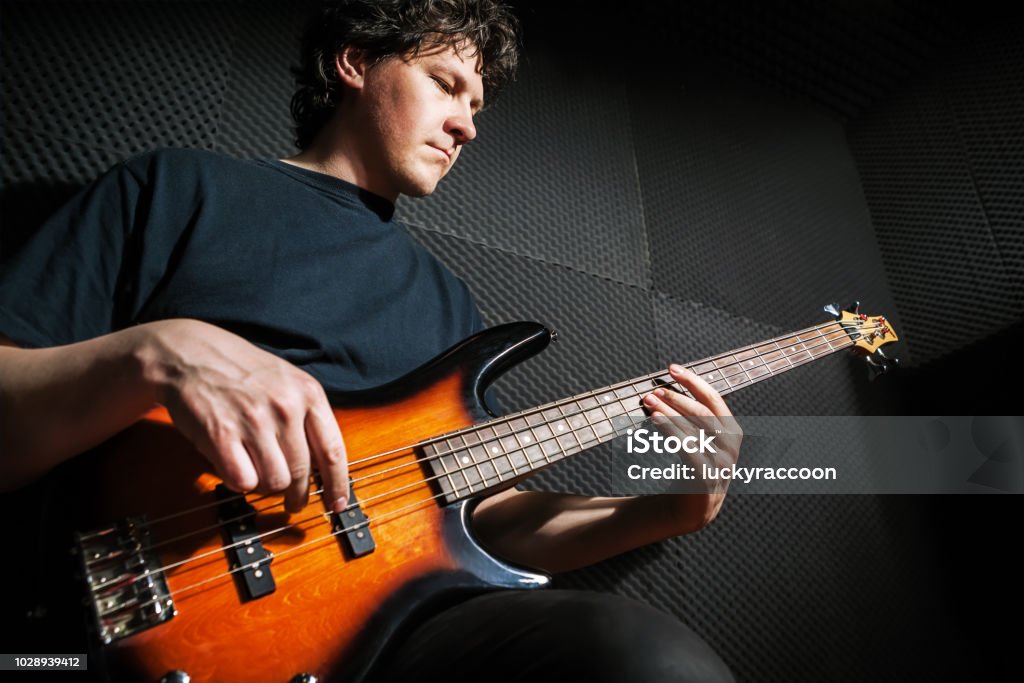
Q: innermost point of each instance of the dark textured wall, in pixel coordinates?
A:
(942, 166)
(662, 183)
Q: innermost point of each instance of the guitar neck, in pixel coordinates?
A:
(485, 457)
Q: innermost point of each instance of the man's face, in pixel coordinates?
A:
(414, 115)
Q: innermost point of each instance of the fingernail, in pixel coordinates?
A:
(677, 369)
(651, 400)
(660, 393)
(341, 504)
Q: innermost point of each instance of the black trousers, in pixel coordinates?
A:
(551, 635)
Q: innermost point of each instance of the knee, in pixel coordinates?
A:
(616, 639)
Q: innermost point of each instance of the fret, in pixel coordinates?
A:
(536, 456)
(485, 464)
(723, 361)
(748, 359)
(828, 341)
(553, 417)
(731, 370)
(789, 351)
(542, 432)
(604, 429)
(606, 398)
(467, 465)
(594, 415)
(805, 348)
(454, 473)
(496, 452)
(551, 448)
(587, 434)
(503, 465)
(473, 460)
(626, 392)
(759, 371)
(614, 408)
(567, 442)
(489, 440)
(763, 351)
(702, 368)
(514, 452)
(443, 477)
(575, 420)
(647, 385)
(516, 448)
(737, 380)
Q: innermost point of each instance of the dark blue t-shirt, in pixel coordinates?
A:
(304, 265)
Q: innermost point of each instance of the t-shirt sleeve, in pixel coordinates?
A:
(62, 286)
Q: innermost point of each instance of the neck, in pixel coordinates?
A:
(488, 456)
(335, 152)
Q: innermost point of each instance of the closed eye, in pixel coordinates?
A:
(443, 85)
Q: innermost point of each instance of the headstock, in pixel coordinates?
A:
(868, 333)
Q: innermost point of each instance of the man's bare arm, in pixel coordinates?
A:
(559, 532)
(260, 421)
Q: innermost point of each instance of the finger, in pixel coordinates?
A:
(234, 466)
(700, 389)
(677, 419)
(269, 461)
(296, 452)
(328, 450)
(675, 404)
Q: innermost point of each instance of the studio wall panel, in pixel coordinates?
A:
(753, 204)
(553, 176)
(942, 172)
(117, 76)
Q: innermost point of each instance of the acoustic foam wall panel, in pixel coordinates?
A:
(943, 173)
(553, 176)
(753, 205)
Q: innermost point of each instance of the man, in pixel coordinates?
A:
(125, 299)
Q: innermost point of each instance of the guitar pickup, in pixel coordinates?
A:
(250, 561)
(353, 528)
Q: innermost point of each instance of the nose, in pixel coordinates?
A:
(460, 125)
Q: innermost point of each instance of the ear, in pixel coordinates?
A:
(350, 65)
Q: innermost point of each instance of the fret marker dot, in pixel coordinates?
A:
(526, 439)
(465, 459)
(494, 449)
(561, 427)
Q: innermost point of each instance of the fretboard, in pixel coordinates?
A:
(472, 461)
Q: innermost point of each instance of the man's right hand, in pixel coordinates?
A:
(261, 421)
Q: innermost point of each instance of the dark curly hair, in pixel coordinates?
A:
(396, 28)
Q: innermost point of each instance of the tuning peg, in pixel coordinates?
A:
(833, 310)
(854, 308)
(880, 364)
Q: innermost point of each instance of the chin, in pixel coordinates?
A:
(421, 188)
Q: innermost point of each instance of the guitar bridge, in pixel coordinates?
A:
(127, 589)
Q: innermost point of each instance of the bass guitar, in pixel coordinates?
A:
(185, 580)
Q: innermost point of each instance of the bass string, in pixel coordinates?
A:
(392, 470)
(842, 329)
(367, 503)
